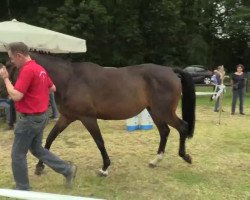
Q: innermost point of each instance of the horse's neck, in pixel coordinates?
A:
(59, 76)
(60, 71)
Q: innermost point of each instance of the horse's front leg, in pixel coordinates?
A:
(60, 125)
(93, 128)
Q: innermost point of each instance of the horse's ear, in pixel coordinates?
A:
(12, 70)
(9, 64)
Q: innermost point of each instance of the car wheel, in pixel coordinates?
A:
(207, 80)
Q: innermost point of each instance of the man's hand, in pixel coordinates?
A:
(14, 94)
(52, 89)
(4, 73)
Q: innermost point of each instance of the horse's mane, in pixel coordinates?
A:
(49, 57)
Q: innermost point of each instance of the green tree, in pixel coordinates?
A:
(126, 32)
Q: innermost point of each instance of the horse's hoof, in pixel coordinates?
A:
(152, 165)
(188, 158)
(103, 173)
(39, 171)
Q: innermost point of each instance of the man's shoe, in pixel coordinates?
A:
(71, 176)
(53, 118)
(242, 113)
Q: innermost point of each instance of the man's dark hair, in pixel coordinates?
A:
(18, 47)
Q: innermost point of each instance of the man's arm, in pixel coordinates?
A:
(14, 94)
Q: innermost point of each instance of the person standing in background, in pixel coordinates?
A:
(55, 113)
(219, 75)
(238, 82)
(8, 104)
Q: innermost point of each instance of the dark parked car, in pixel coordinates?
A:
(199, 73)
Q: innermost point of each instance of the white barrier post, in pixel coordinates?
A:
(132, 123)
(146, 122)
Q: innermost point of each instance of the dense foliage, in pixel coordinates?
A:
(167, 32)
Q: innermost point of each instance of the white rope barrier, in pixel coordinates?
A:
(217, 93)
(30, 195)
(204, 93)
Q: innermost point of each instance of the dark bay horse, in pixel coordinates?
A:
(87, 92)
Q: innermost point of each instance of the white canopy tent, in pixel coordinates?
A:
(39, 38)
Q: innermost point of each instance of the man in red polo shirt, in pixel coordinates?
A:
(31, 96)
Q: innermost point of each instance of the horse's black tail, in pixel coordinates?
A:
(188, 100)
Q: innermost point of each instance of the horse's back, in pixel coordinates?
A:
(157, 77)
(91, 71)
(113, 91)
(122, 92)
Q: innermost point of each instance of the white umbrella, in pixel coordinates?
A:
(39, 38)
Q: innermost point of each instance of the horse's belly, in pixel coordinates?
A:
(112, 113)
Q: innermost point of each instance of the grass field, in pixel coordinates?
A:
(220, 169)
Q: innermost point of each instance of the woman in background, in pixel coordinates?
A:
(219, 75)
(238, 81)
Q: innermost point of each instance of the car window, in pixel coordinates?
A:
(190, 69)
(199, 69)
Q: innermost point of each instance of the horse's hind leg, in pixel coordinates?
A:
(60, 125)
(162, 118)
(182, 145)
(182, 128)
(93, 128)
(164, 132)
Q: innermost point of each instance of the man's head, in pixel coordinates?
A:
(18, 53)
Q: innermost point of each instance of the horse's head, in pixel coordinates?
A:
(12, 70)
(1, 65)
